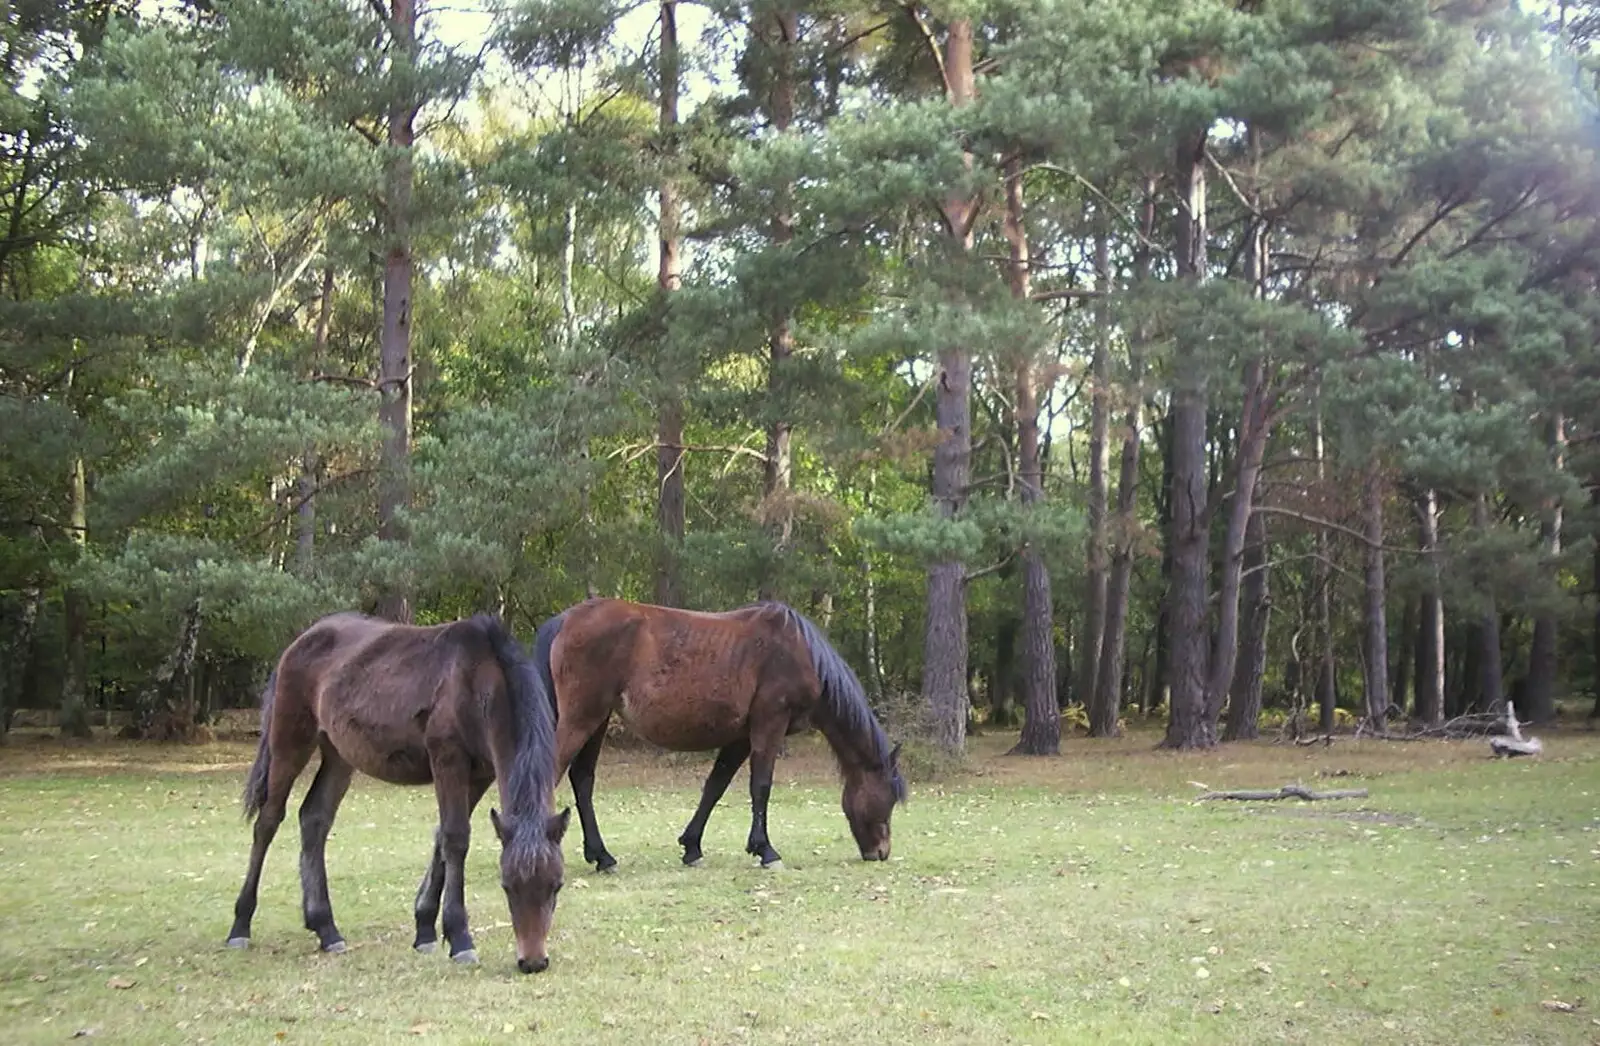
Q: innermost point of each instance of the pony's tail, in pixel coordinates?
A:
(255, 783)
(543, 641)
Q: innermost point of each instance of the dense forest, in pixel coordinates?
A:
(1227, 362)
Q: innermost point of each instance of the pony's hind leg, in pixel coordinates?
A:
(432, 888)
(452, 784)
(581, 775)
(729, 759)
(317, 811)
(286, 758)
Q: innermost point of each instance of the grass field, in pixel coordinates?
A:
(1085, 899)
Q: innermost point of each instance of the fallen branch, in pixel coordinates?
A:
(1325, 740)
(1286, 792)
(1510, 748)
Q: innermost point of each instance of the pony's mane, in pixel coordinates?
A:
(531, 777)
(843, 696)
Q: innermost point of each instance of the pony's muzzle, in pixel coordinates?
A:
(880, 853)
(534, 965)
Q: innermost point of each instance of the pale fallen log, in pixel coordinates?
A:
(1286, 792)
(1510, 748)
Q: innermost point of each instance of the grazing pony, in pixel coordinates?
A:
(737, 682)
(458, 705)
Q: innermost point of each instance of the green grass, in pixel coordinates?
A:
(1085, 899)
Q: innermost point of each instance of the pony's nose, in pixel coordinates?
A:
(533, 965)
(879, 854)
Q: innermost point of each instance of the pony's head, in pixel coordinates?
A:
(870, 796)
(531, 870)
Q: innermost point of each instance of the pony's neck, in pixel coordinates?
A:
(857, 750)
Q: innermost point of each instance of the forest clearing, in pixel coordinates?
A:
(1086, 899)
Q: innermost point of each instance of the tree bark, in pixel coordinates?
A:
(945, 644)
(1377, 622)
(781, 36)
(1105, 703)
(394, 369)
(305, 543)
(1244, 701)
(1540, 700)
(1253, 426)
(569, 261)
(1322, 578)
(1002, 679)
(1430, 637)
(671, 502)
(75, 686)
(1404, 658)
(166, 710)
(1188, 587)
(1594, 635)
(1041, 723)
(1096, 581)
(18, 653)
(1491, 669)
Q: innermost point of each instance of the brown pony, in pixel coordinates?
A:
(458, 705)
(737, 682)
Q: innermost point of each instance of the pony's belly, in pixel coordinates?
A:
(392, 756)
(684, 727)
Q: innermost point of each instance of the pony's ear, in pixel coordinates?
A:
(501, 828)
(556, 827)
(894, 754)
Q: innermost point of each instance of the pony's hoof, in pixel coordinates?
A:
(693, 862)
(776, 864)
(466, 958)
(607, 869)
(334, 947)
(240, 943)
(426, 947)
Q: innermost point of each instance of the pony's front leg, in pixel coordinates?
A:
(431, 891)
(729, 759)
(582, 777)
(762, 760)
(452, 785)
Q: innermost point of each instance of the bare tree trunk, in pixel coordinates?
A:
(1540, 699)
(1041, 723)
(1252, 446)
(1188, 587)
(166, 707)
(944, 659)
(1404, 658)
(1594, 636)
(18, 652)
(1491, 667)
(305, 543)
(1377, 621)
(671, 505)
(569, 260)
(1096, 580)
(781, 32)
(1430, 638)
(1327, 689)
(75, 687)
(1244, 700)
(1105, 702)
(394, 372)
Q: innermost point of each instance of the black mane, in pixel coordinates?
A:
(843, 696)
(530, 779)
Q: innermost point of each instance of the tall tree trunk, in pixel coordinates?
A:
(1400, 677)
(18, 653)
(1253, 426)
(1491, 669)
(1594, 636)
(1327, 688)
(1540, 698)
(569, 262)
(945, 640)
(1430, 637)
(1041, 723)
(394, 370)
(1155, 690)
(672, 503)
(1105, 702)
(1002, 679)
(780, 33)
(1096, 581)
(75, 687)
(1376, 675)
(1188, 587)
(1244, 699)
(166, 707)
(305, 542)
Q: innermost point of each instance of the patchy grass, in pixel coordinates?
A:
(1083, 899)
